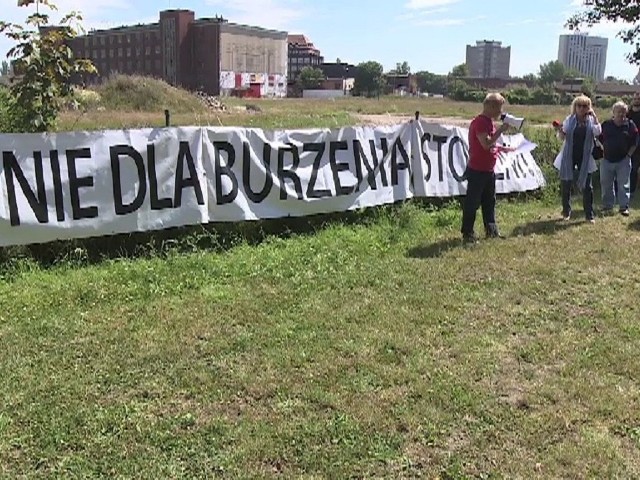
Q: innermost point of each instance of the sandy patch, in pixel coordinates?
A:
(388, 119)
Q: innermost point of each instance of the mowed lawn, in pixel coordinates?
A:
(377, 349)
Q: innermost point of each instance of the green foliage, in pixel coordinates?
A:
(5, 99)
(551, 72)
(136, 93)
(459, 71)
(432, 83)
(402, 68)
(461, 91)
(46, 67)
(369, 79)
(310, 78)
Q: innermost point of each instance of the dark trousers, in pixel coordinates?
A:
(481, 191)
(587, 198)
(635, 163)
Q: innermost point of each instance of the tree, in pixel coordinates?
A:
(459, 71)
(613, 79)
(402, 69)
(5, 68)
(46, 65)
(310, 78)
(551, 72)
(431, 83)
(369, 79)
(626, 11)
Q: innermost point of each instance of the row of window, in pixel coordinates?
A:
(105, 68)
(95, 40)
(120, 52)
(304, 61)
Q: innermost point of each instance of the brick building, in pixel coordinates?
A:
(192, 53)
(302, 53)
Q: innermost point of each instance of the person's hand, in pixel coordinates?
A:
(506, 149)
(503, 128)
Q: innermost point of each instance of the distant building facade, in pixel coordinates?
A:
(254, 58)
(208, 54)
(488, 59)
(302, 53)
(584, 53)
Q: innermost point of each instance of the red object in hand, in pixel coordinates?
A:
(556, 123)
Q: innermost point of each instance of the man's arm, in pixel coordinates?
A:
(633, 133)
(487, 141)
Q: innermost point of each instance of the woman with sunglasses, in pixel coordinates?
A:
(575, 161)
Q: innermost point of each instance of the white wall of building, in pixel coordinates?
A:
(271, 85)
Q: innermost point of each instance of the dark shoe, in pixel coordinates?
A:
(624, 212)
(469, 239)
(493, 232)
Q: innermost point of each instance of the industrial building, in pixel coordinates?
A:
(207, 54)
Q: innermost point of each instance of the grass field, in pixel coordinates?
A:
(379, 348)
(296, 113)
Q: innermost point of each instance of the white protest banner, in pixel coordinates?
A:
(445, 153)
(261, 174)
(83, 184)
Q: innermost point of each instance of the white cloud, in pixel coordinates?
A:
(420, 14)
(424, 4)
(440, 22)
(279, 14)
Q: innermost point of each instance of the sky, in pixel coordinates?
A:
(428, 34)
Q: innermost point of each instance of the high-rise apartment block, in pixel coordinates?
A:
(488, 59)
(584, 53)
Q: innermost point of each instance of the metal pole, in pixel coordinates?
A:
(167, 118)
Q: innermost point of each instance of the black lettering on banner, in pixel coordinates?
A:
(452, 165)
(184, 153)
(361, 159)
(337, 167)
(398, 147)
(256, 197)
(57, 185)
(518, 161)
(155, 202)
(524, 159)
(226, 171)
(290, 173)
(441, 141)
(425, 156)
(37, 201)
(514, 167)
(115, 152)
(319, 148)
(76, 183)
(384, 145)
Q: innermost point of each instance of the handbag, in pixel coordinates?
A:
(598, 151)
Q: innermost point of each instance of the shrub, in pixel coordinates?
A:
(137, 93)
